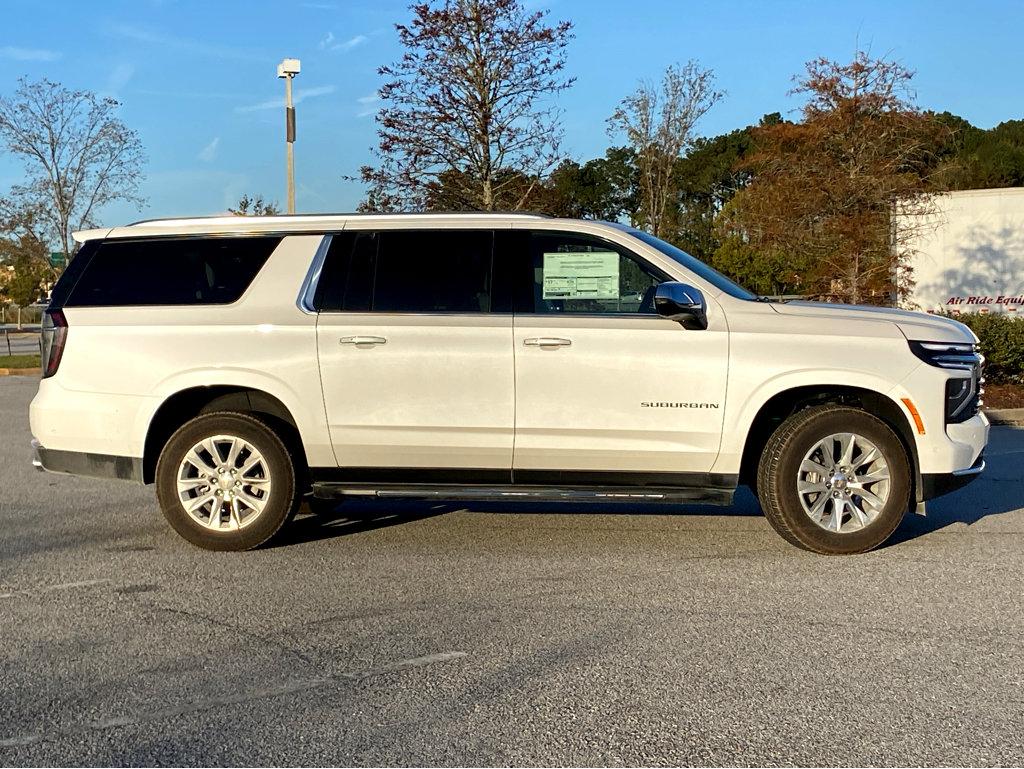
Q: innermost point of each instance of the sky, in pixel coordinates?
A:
(197, 80)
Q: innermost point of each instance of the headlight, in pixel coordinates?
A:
(963, 393)
(947, 354)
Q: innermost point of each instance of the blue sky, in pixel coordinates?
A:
(197, 79)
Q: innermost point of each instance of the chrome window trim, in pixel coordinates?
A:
(307, 293)
(553, 315)
(440, 314)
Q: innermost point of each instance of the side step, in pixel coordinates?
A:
(511, 492)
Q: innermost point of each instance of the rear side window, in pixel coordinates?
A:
(402, 271)
(171, 271)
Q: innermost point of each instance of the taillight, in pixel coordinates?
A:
(52, 340)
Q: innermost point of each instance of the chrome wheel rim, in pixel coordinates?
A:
(843, 483)
(223, 483)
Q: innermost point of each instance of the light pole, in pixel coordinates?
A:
(288, 69)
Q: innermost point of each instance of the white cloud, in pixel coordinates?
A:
(349, 44)
(330, 43)
(368, 104)
(209, 152)
(300, 95)
(151, 37)
(28, 54)
(118, 78)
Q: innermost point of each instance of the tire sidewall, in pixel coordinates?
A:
(281, 501)
(802, 440)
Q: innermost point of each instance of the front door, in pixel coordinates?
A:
(606, 390)
(417, 368)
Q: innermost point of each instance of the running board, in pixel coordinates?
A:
(707, 496)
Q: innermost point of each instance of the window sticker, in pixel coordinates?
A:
(581, 275)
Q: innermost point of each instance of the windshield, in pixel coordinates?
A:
(696, 266)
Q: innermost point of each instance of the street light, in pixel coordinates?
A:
(288, 69)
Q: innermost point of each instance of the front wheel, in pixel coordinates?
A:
(834, 480)
(226, 481)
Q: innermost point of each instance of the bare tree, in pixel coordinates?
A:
(658, 124)
(78, 156)
(255, 206)
(464, 118)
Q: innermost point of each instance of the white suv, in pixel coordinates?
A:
(242, 363)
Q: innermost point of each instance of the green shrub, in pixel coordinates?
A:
(1002, 344)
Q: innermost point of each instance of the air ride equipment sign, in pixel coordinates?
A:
(581, 275)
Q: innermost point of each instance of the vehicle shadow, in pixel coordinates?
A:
(346, 518)
(999, 489)
(356, 515)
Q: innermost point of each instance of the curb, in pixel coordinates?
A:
(1005, 416)
(34, 371)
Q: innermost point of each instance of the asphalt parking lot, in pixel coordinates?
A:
(422, 633)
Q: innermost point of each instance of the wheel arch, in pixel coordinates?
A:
(787, 402)
(186, 404)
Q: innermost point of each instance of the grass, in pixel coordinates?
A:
(19, 361)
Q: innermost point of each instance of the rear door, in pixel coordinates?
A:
(606, 390)
(416, 357)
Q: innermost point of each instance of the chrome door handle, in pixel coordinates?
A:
(546, 341)
(363, 340)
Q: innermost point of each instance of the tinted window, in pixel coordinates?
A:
(578, 274)
(173, 271)
(400, 271)
(346, 282)
(66, 282)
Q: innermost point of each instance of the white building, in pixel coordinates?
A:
(972, 258)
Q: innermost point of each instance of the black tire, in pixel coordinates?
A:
(780, 463)
(282, 499)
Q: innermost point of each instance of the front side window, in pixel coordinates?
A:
(172, 271)
(584, 275)
(408, 271)
(694, 265)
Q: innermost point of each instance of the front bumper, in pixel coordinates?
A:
(82, 463)
(936, 484)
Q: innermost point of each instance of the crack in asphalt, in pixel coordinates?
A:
(54, 588)
(287, 687)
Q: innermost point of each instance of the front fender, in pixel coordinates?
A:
(742, 409)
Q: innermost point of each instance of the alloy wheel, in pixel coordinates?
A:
(223, 483)
(843, 483)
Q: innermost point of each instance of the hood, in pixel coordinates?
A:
(919, 326)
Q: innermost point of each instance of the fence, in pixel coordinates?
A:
(13, 315)
(14, 343)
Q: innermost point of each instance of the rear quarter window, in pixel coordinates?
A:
(170, 271)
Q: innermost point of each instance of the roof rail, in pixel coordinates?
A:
(524, 214)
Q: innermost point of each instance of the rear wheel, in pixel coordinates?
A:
(226, 481)
(835, 480)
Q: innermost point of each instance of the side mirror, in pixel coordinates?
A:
(681, 303)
